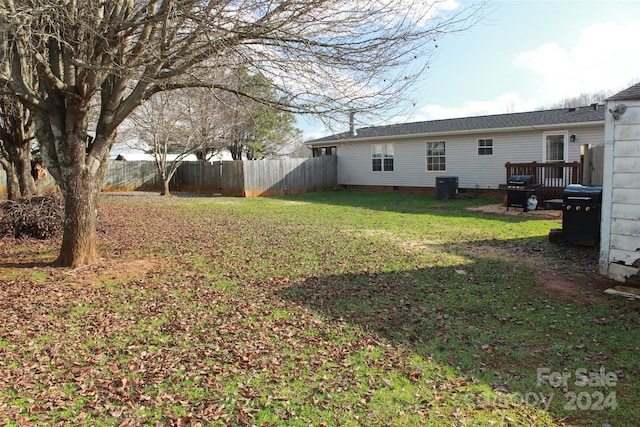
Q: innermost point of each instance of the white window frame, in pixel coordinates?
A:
(554, 178)
(385, 152)
(565, 154)
(444, 156)
(485, 147)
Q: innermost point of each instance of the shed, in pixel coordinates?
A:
(620, 226)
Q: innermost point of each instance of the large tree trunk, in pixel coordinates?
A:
(79, 170)
(79, 239)
(81, 190)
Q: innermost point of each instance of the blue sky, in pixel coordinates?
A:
(526, 54)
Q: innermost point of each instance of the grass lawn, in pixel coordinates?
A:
(325, 309)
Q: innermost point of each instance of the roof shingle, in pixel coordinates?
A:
(632, 92)
(593, 113)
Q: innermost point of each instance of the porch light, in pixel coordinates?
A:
(572, 138)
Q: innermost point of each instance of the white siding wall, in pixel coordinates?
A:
(462, 160)
(620, 242)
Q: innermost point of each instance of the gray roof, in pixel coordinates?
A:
(593, 113)
(630, 93)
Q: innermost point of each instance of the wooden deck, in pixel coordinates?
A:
(553, 177)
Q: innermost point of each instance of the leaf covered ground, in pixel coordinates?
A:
(325, 309)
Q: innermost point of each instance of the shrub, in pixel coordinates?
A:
(39, 217)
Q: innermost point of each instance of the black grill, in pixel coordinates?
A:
(520, 181)
(582, 207)
(519, 189)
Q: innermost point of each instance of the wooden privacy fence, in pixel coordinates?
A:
(241, 178)
(593, 165)
(132, 176)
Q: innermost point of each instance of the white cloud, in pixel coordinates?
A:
(504, 103)
(604, 58)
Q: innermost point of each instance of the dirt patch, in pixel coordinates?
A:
(110, 270)
(500, 209)
(584, 291)
(107, 270)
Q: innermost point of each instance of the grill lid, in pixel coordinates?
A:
(576, 193)
(522, 180)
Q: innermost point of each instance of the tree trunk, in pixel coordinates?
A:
(13, 186)
(236, 150)
(81, 188)
(79, 169)
(79, 239)
(165, 187)
(18, 152)
(26, 181)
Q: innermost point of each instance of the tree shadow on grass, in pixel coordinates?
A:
(27, 265)
(488, 319)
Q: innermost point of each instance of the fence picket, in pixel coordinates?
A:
(240, 178)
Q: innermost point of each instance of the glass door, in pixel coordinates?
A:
(555, 151)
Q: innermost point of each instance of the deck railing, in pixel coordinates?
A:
(552, 177)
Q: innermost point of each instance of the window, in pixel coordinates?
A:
(324, 151)
(382, 157)
(485, 147)
(436, 156)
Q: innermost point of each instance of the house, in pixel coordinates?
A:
(410, 156)
(620, 224)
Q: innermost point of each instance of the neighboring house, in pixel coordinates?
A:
(473, 149)
(620, 226)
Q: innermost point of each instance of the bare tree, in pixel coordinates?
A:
(172, 126)
(586, 98)
(204, 116)
(298, 150)
(328, 56)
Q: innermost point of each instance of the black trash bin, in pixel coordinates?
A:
(581, 215)
(446, 187)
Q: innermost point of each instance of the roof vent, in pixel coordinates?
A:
(594, 106)
(571, 109)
